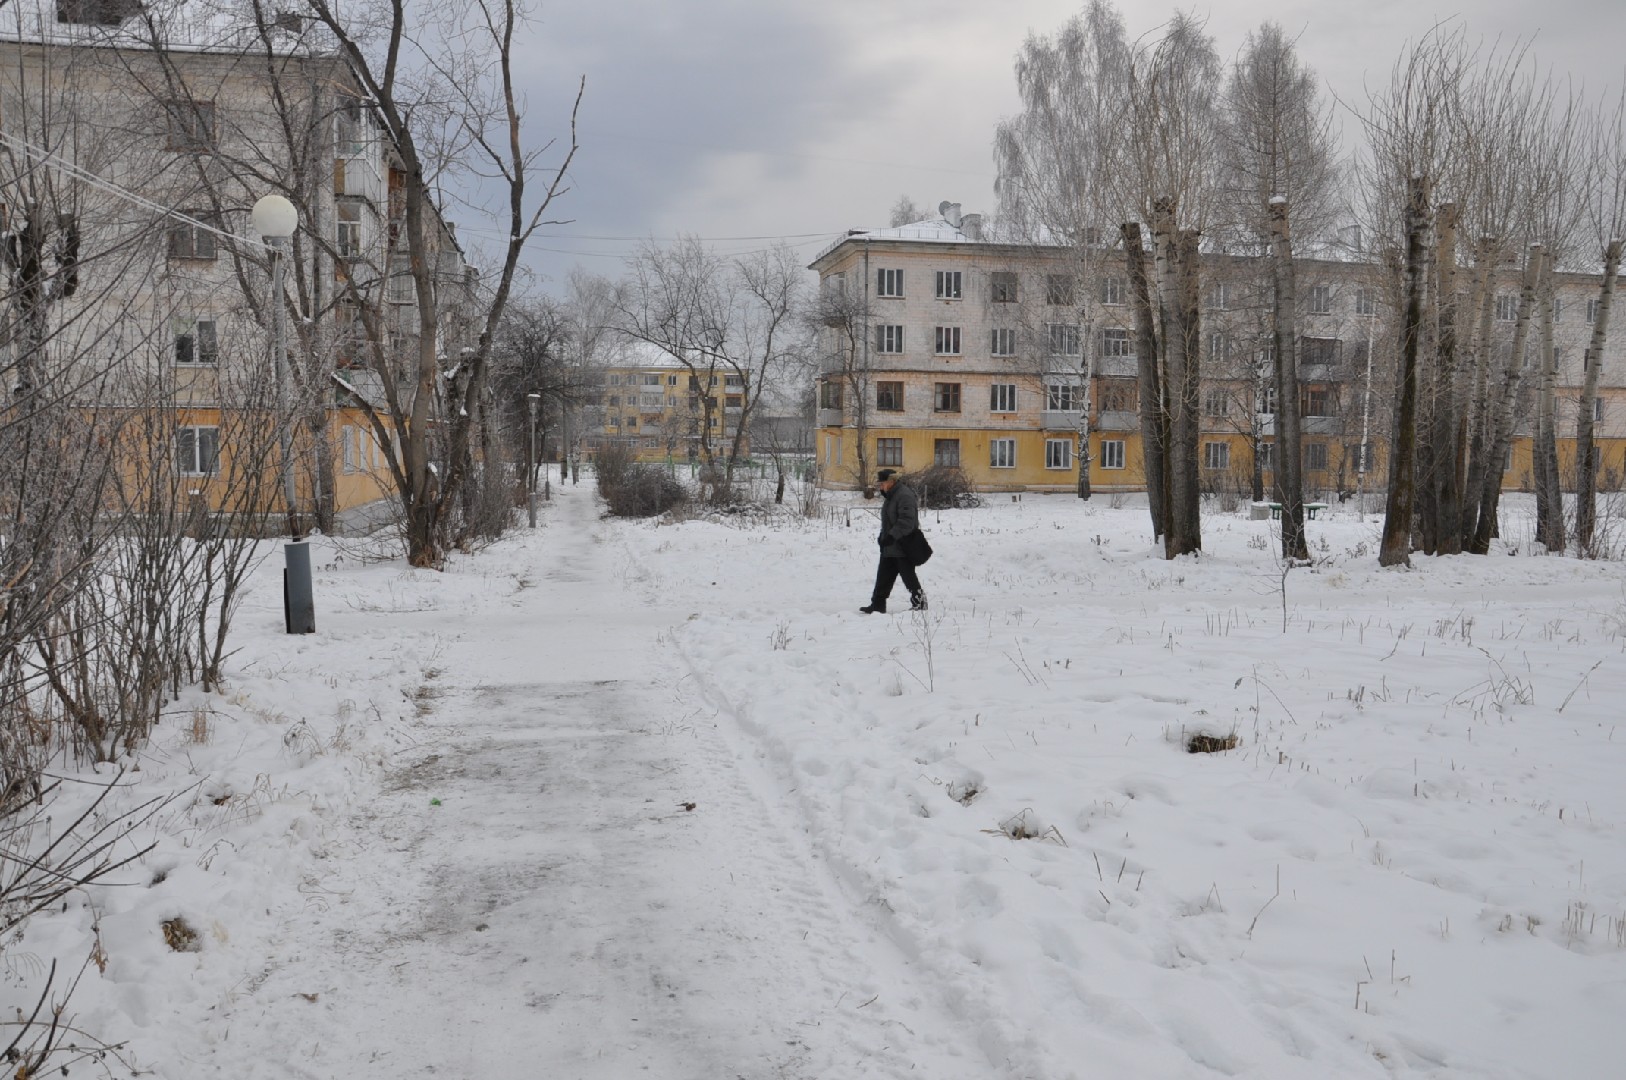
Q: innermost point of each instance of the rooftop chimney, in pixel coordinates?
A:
(971, 225)
(950, 212)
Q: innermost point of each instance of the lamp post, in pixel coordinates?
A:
(532, 400)
(275, 219)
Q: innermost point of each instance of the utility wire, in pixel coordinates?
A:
(45, 157)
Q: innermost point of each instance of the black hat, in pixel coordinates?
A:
(884, 475)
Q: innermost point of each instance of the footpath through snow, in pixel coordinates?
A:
(581, 871)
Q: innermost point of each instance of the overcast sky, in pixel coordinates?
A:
(738, 120)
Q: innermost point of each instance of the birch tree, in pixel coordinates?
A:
(1606, 213)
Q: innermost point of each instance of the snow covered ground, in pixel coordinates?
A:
(618, 799)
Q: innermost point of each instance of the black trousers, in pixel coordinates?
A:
(892, 567)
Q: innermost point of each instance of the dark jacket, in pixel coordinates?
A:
(900, 516)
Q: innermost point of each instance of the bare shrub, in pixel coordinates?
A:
(941, 487)
(644, 491)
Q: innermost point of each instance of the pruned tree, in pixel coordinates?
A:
(1606, 213)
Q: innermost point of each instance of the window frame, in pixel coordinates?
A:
(202, 348)
(889, 283)
(192, 464)
(949, 284)
(946, 397)
(1002, 448)
(1071, 339)
(1065, 455)
(1318, 300)
(889, 339)
(1216, 456)
(889, 452)
(189, 126)
(947, 341)
(1059, 290)
(1117, 343)
(1114, 290)
(194, 243)
(1002, 335)
(889, 390)
(1113, 453)
(940, 457)
(1004, 286)
(998, 391)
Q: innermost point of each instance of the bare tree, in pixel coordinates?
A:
(731, 320)
(1606, 210)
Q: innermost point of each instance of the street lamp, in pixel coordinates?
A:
(532, 400)
(275, 219)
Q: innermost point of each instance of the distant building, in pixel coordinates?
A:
(945, 343)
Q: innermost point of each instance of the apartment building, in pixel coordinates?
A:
(148, 144)
(944, 343)
(664, 410)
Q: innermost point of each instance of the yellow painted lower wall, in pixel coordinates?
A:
(1117, 463)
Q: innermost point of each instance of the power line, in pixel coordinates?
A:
(45, 157)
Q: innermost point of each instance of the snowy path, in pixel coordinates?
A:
(599, 928)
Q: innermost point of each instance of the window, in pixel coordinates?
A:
(350, 128)
(671, 380)
(948, 284)
(889, 452)
(197, 450)
(888, 339)
(1115, 341)
(196, 343)
(1366, 301)
(1002, 453)
(1112, 453)
(1316, 401)
(1058, 453)
(1315, 457)
(632, 421)
(1360, 352)
(651, 379)
(946, 397)
(1002, 397)
(834, 286)
(1359, 456)
(1264, 455)
(1267, 400)
(1319, 350)
(829, 394)
(1058, 290)
(1113, 290)
(191, 125)
(1119, 395)
(732, 401)
(1002, 287)
(1063, 396)
(1597, 410)
(946, 452)
(1004, 343)
(96, 12)
(1216, 403)
(613, 401)
(353, 443)
(1592, 311)
(189, 241)
(1219, 296)
(889, 397)
(1216, 456)
(1319, 300)
(1219, 347)
(347, 235)
(948, 341)
(1507, 307)
(1064, 339)
(889, 283)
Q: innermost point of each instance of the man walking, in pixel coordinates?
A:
(900, 516)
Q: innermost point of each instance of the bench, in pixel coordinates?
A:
(1310, 510)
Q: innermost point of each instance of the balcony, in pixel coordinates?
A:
(829, 418)
(1060, 419)
(1119, 366)
(1322, 425)
(1117, 420)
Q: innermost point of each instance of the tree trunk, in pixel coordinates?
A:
(1175, 252)
(1499, 415)
(1485, 406)
(1549, 489)
(1586, 464)
(1289, 478)
(1395, 546)
(1448, 454)
(1084, 415)
(1154, 431)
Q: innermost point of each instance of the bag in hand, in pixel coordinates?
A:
(915, 548)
